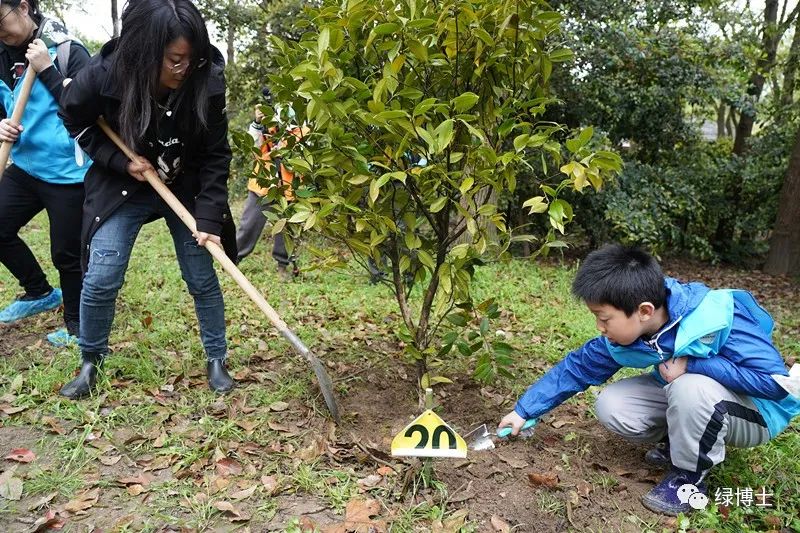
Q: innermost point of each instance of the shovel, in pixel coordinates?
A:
(480, 438)
(325, 384)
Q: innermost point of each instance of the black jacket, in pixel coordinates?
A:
(202, 186)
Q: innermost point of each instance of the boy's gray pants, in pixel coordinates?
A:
(250, 228)
(699, 415)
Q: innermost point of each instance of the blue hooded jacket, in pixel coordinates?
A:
(44, 149)
(725, 334)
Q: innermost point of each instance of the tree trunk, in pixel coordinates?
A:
(784, 247)
(114, 18)
(730, 123)
(721, 108)
(792, 64)
(769, 49)
(231, 37)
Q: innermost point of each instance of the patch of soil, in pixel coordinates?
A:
(600, 476)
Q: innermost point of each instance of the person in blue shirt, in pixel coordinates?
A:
(47, 172)
(712, 381)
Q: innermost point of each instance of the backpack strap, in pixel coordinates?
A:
(62, 56)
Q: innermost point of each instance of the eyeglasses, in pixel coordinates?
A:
(180, 68)
(6, 15)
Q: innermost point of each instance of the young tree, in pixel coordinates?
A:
(415, 115)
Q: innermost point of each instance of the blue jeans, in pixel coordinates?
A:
(110, 252)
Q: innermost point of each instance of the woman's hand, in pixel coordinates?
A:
(203, 237)
(37, 55)
(138, 167)
(9, 133)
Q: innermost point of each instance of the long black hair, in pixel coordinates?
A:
(33, 10)
(148, 26)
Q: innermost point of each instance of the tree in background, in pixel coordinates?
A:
(415, 115)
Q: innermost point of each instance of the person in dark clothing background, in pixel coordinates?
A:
(161, 86)
(47, 171)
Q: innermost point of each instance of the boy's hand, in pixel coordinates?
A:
(672, 369)
(512, 420)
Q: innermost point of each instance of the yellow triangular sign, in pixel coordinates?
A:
(429, 436)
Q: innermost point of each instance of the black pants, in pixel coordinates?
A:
(21, 198)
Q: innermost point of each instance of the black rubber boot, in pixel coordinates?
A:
(659, 456)
(218, 378)
(85, 381)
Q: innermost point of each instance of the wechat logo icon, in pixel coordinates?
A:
(690, 494)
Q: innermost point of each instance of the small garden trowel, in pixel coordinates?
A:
(480, 438)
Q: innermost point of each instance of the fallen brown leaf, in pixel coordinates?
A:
(385, 471)
(358, 518)
(142, 479)
(228, 467)
(233, 514)
(135, 489)
(82, 501)
(548, 479)
(53, 424)
(244, 494)
(512, 462)
(21, 455)
(371, 481)
(110, 460)
(51, 520)
(499, 525)
(41, 502)
(10, 486)
(278, 406)
(583, 488)
(271, 484)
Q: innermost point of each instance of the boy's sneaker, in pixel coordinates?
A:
(61, 338)
(680, 491)
(659, 455)
(26, 306)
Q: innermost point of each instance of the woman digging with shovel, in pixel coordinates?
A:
(47, 172)
(161, 86)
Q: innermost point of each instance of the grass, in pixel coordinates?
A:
(347, 321)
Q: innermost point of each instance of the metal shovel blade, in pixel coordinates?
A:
(480, 439)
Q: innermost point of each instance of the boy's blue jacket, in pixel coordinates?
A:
(725, 334)
(44, 148)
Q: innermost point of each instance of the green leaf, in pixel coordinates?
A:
(386, 28)
(391, 115)
(466, 185)
(443, 134)
(457, 319)
(438, 204)
(465, 101)
(360, 179)
(426, 259)
(418, 50)
(561, 55)
(521, 141)
(537, 204)
(278, 226)
(374, 190)
(300, 216)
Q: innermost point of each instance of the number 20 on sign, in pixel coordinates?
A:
(429, 436)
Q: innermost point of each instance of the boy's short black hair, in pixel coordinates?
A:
(620, 276)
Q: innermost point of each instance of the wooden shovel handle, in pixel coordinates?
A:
(219, 254)
(19, 108)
